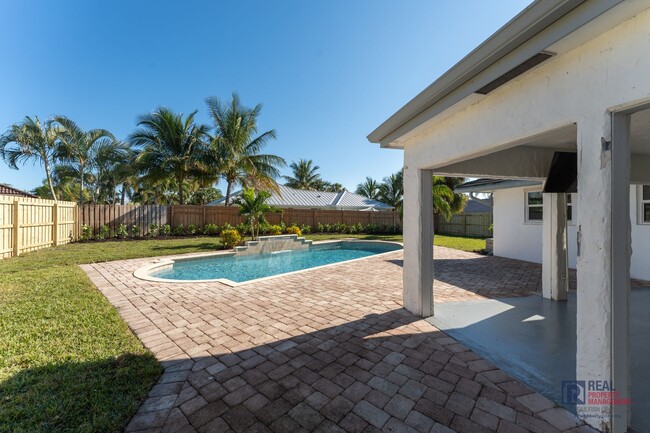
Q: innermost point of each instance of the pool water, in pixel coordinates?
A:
(245, 268)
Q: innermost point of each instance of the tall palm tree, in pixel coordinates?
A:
(369, 188)
(32, 141)
(445, 201)
(171, 146)
(305, 176)
(78, 148)
(254, 207)
(391, 190)
(236, 146)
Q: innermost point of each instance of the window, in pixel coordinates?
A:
(534, 206)
(644, 204)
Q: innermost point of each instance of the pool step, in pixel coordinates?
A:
(270, 244)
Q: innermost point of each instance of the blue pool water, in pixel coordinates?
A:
(246, 268)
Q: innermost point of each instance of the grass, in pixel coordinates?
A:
(68, 362)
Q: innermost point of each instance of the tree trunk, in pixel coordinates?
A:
(49, 178)
(181, 199)
(123, 198)
(228, 193)
(81, 184)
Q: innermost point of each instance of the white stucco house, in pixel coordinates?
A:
(565, 80)
(518, 211)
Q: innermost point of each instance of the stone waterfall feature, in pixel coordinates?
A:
(271, 244)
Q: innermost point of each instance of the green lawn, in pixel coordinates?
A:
(456, 242)
(68, 362)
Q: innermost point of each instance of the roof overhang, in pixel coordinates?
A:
(495, 185)
(534, 30)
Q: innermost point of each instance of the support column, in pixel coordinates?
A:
(418, 241)
(555, 261)
(603, 265)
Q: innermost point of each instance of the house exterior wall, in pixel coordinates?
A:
(516, 238)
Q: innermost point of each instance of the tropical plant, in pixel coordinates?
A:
(391, 190)
(236, 146)
(230, 238)
(203, 196)
(172, 146)
(275, 230)
(369, 188)
(445, 201)
(294, 230)
(304, 175)
(31, 140)
(254, 208)
(80, 150)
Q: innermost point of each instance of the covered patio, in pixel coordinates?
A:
(560, 94)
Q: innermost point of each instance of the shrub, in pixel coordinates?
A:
(178, 230)
(165, 230)
(305, 229)
(294, 230)
(122, 231)
(104, 232)
(86, 232)
(135, 231)
(283, 226)
(372, 229)
(320, 228)
(275, 230)
(352, 229)
(263, 228)
(340, 227)
(191, 229)
(359, 228)
(230, 238)
(242, 228)
(328, 228)
(211, 229)
(154, 230)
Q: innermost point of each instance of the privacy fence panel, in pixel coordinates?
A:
(112, 215)
(29, 224)
(465, 224)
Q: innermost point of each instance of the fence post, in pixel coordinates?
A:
(55, 224)
(16, 246)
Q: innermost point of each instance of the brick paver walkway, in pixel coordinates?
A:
(327, 350)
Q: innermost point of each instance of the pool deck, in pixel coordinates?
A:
(327, 350)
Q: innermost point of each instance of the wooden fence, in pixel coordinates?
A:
(112, 216)
(29, 224)
(465, 224)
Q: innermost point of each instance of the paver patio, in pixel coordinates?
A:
(326, 350)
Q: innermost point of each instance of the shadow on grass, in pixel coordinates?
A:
(206, 246)
(88, 396)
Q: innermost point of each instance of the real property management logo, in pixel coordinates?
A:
(591, 392)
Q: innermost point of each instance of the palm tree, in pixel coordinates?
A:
(305, 176)
(172, 146)
(235, 148)
(391, 190)
(78, 148)
(32, 141)
(445, 201)
(254, 207)
(369, 188)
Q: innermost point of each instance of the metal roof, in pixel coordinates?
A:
(487, 185)
(10, 190)
(537, 27)
(474, 205)
(298, 198)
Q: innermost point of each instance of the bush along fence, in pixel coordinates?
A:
(29, 224)
(125, 221)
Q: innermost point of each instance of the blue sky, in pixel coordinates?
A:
(327, 72)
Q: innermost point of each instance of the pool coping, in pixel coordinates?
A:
(143, 272)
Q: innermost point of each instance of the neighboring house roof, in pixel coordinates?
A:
(10, 190)
(509, 51)
(476, 206)
(298, 198)
(489, 185)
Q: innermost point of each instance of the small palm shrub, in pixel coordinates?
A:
(275, 230)
(178, 230)
(135, 231)
(103, 233)
(352, 229)
(211, 229)
(86, 232)
(294, 230)
(230, 238)
(305, 229)
(165, 229)
(154, 230)
(191, 229)
(320, 228)
(122, 231)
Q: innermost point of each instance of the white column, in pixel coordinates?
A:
(418, 241)
(555, 260)
(603, 263)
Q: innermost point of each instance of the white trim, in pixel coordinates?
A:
(527, 220)
(640, 214)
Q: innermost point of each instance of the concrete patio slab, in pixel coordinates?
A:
(330, 349)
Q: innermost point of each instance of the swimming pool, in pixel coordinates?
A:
(233, 269)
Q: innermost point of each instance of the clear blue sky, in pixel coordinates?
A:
(327, 72)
